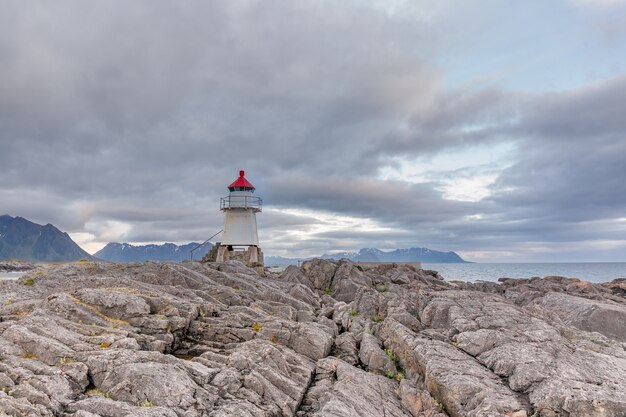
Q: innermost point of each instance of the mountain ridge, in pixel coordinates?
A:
(418, 254)
(125, 252)
(22, 239)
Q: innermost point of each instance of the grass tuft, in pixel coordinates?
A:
(256, 326)
(65, 361)
(99, 392)
(439, 404)
(391, 355)
(29, 355)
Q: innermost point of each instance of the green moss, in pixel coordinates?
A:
(391, 355)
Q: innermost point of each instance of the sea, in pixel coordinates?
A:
(11, 275)
(586, 271)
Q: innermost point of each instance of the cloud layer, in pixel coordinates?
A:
(125, 122)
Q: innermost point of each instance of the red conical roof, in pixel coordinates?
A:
(241, 182)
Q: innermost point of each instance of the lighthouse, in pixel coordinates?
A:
(240, 239)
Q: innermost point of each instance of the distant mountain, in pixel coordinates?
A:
(124, 252)
(399, 255)
(424, 255)
(23, 239)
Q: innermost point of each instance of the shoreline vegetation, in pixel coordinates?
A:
(329, 337)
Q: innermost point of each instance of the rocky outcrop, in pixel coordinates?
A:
(330, 338)
(15, 266)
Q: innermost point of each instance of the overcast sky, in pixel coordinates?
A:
(495, 129)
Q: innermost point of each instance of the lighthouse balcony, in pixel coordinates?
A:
(244, 201)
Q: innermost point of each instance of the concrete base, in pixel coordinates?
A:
(252, 257)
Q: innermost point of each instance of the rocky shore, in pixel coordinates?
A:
(329, 338)
(16, 266)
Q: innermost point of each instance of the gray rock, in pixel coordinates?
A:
(94, 339)
(374, 357)
(589, 315)
(343, 390)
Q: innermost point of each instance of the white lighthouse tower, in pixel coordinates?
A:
(240, 240)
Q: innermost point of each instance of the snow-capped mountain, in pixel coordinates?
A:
(399, 255)
(125, 252)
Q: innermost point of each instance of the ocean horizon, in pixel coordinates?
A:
(585, 271)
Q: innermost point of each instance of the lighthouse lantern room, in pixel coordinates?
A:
(240, 239)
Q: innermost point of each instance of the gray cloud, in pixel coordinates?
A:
(126, 121)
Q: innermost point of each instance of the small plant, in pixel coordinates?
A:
(9, 301)
(455, 343)
(83, 260)
(377, 319)
(99, 392)
(105, 345)
(390, 374)
(29, 282)
(256, 326)
(65, 361)
(399, 376)
(29, 355)
(354, 312)
(273, 339)
(327, 290)
(381, 288)
(391, 355)
(146, 404)
(200, 311)
(161, 316)
(439, 404)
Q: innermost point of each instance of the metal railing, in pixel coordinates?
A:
(241, 201)
(202, 244)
